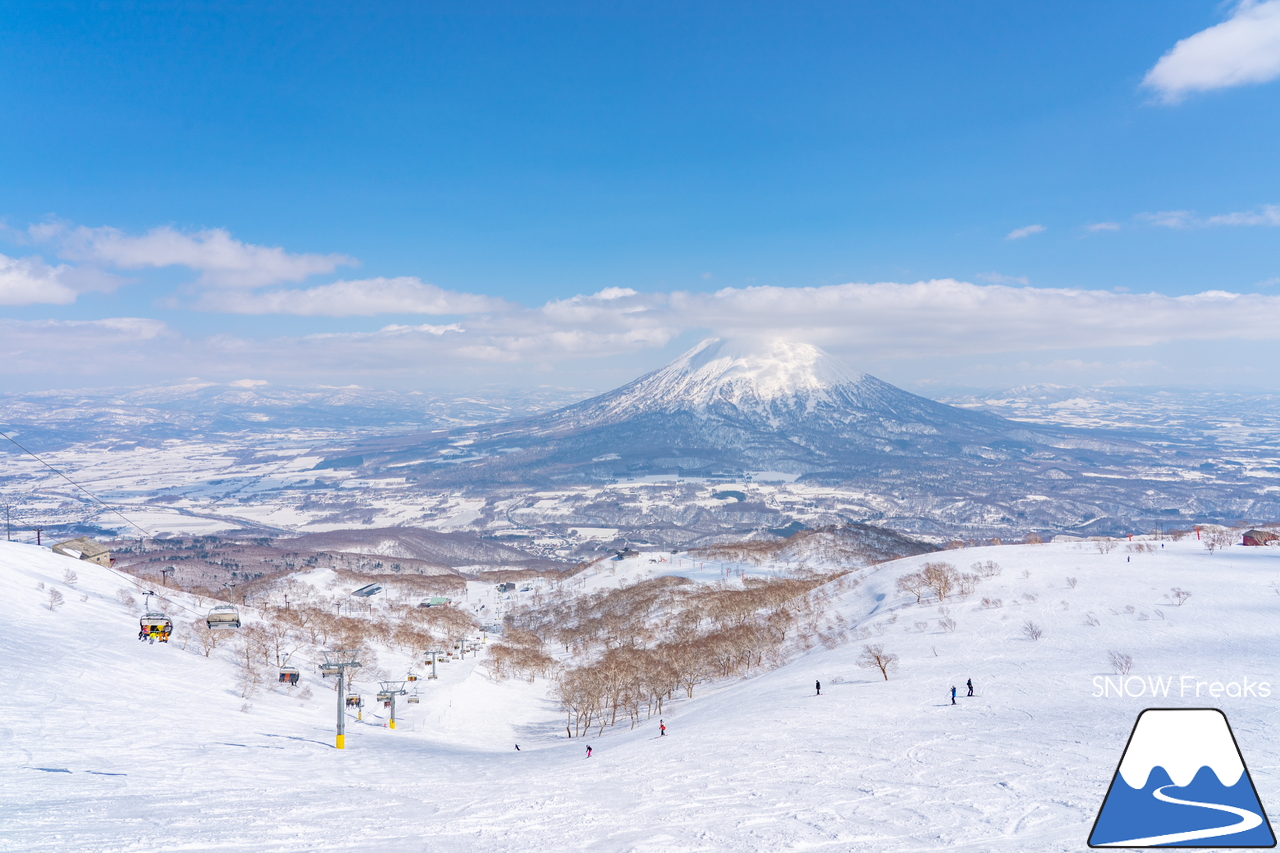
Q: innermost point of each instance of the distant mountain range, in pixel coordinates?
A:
(658, 459)
(790, 412)
(185, 409)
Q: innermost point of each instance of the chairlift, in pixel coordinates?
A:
(224, 617)
(289, 675)
(354, 700)
(154, 625)
(330, 670)
(413, 700)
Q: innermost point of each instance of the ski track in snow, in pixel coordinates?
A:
(160, 755)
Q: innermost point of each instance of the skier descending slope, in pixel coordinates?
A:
(817, 685)
(953, 694)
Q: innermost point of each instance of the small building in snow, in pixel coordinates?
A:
(1261, 537)
(84, 548)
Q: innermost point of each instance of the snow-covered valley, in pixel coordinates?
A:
(111, 744)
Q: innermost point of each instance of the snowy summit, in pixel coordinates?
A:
(748, 375)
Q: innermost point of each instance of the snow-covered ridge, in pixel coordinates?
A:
(1181, 742)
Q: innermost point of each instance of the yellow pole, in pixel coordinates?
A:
(342, 741)
(393, 724)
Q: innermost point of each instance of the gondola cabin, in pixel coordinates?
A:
(155, 626)
(224, 617)
(289, 675)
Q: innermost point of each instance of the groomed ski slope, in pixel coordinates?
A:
(109, 744)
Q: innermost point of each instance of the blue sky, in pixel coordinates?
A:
(439, 194)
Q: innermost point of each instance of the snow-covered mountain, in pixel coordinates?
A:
(732, 408)
(769, 385)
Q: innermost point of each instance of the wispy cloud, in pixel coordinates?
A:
(1026, 231)
(926, 319)
(1266, 214)
(1243, 49)
(402, 295)
(1095, 227)
(997, 278)
(221, 260)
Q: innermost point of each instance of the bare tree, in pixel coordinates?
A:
(915, 584)
(1220, 538)
(988, 569)
(1179, 595)
(55, 599)
(1033, 538)
(207, 639)
(1071, 582)
(70, 578)
(875, 657)
(1031, 630)
(941, 578)
(1120, 662)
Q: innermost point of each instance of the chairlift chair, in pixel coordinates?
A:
(289, 675)
(154, 625)
(330, 670)
(354, 700)
(412, 700)
(224, 617)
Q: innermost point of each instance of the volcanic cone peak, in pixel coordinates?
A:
(766, 382)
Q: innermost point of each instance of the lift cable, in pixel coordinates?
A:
(105, 505)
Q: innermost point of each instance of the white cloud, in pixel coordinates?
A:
(997, 278)
(1095, 227)
(1019, 233)
(222, 260)
(1267, 214)
(1241, 50)
(864, 323)
(402, 295)
(30, 281)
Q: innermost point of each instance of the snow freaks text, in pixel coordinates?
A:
(1184, 686)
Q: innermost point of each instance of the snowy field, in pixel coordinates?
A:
(109, 744)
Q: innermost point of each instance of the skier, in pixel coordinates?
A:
(970, 685)
(953, 694)
(588, 752)
(662, 729)
(817, 685)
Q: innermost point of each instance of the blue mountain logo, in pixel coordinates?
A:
(1182, 782)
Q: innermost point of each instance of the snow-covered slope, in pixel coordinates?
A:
(108, 744)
